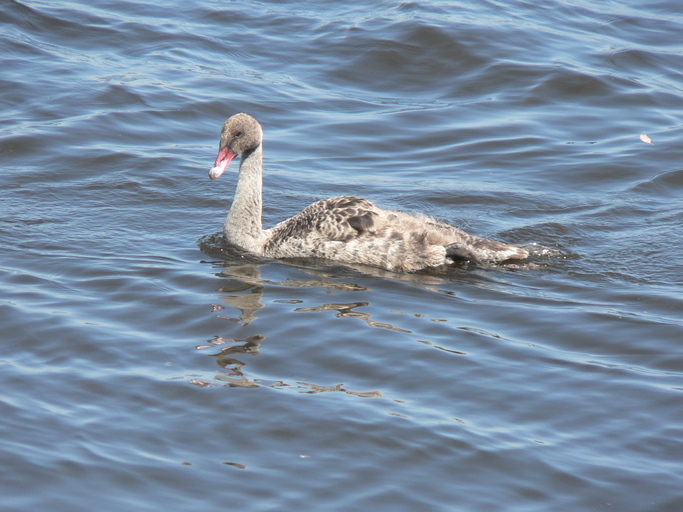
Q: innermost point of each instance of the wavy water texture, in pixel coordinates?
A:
(147, 365)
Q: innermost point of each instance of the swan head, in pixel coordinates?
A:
(241, 133)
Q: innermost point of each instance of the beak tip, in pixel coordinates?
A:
(215, 172)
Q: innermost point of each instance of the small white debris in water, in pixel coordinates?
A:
(645, 138)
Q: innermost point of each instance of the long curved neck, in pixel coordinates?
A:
(243, 226)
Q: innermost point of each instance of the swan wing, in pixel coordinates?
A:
(339, 219)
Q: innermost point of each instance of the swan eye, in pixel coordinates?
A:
(238, 134)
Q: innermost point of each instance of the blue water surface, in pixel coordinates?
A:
(147, 366)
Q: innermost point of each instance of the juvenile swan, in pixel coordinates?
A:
(347, 229)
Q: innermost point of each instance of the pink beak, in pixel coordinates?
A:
(223, 159)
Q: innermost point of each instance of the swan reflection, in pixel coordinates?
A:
(347, 311)
(243, 289)
(245, 281)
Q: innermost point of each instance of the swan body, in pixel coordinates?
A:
(347, 229)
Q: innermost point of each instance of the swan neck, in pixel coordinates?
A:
(243, 226)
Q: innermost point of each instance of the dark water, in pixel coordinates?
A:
(143, 370)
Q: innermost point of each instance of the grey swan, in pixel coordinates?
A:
(346, 229)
